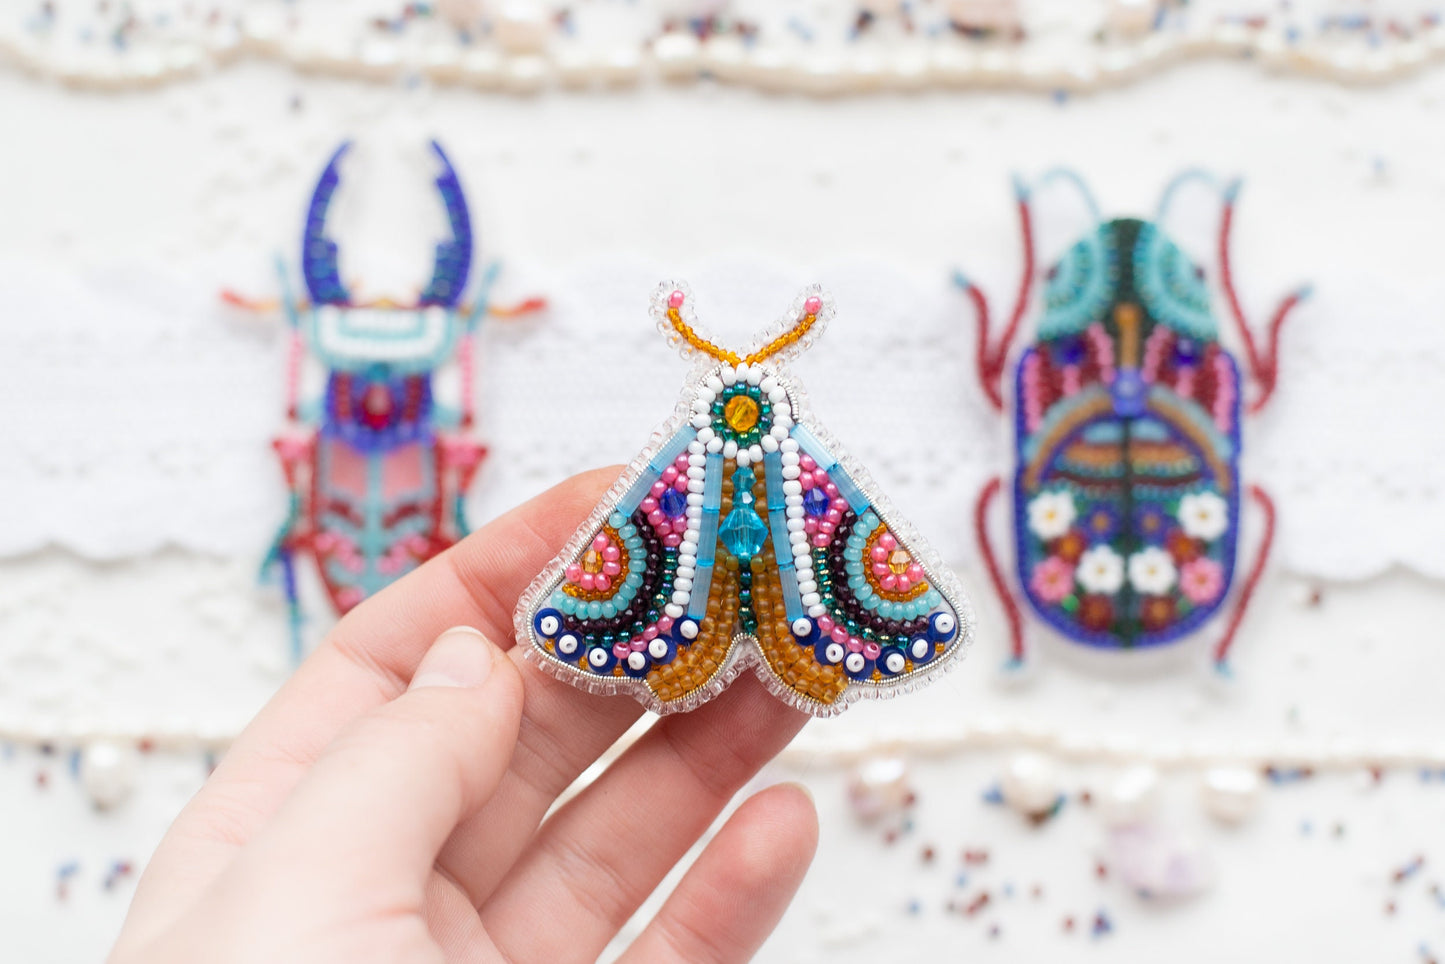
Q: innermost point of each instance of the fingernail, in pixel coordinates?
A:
(461, 656)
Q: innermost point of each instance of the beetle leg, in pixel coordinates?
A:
(995, 574)
(1246, 592)
(1263, 366)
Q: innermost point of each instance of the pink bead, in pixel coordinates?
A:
(612, 553)
(664, 624)
(681, 484)
(806, 463)
(832, 490)
(880, 568)
(834, 514)
(854, 644)
(650, 633)
(879, 554)
(669, 475)
(813, 305)
(821, 540)
(648, 505)
(887, 541)
(657, 517)
(672, 540)
(586, 582)
(620, 650)
(915, 572)
(820, 477)
(806, 480)
(600, 542)
(676, 299)
(904, 584)
(872, 650)
(826, 526)
(825, 625)
(637, 645)
(889, 582)
(574, 572)
(679, 525)
(611, 569)
(657, 489)
(839, 634)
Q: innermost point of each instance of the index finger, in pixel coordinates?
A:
(365, 661)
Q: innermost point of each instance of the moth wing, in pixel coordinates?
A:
(859, 605)
(625, 607)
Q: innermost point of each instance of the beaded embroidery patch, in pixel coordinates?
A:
(1127, 411)
(377, 469)
(743, 536)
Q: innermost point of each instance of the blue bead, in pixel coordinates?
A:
(742, 532)
(673, 503)
(1129, 393)
(815, 502)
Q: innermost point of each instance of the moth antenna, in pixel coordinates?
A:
(672, 307)
(796, 330)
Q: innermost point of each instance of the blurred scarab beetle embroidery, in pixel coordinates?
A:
(377, 468)
(1126, 413)
(743, 536)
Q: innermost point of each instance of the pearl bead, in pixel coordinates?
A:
(108, 772)
(1132, 798)
(1231, 794)
(880, 787)
(1031, 784)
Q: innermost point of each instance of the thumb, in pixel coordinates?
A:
(385, 795)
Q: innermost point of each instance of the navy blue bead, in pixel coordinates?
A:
(942, 627)
(815, 502)
(543, 619)
(1129, 393)
(673, 503)
(601, 668)
(883, 659)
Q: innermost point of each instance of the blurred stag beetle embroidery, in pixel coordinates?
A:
(1126, 412)
(377, 468)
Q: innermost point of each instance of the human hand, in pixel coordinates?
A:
(388, 803)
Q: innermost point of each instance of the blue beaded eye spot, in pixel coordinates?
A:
(857, 666)
(921, 650)
(684, 631)
(637, 665)
(829, 652)
(601, 659)
(548, 623)
(569, 646)
(942, 627)
(804, 630)
(892, 661)
(662, 650)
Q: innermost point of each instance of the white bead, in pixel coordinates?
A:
(755, 452)
(715, 444)
(807, 586)
(695, 472)
(729, 375)
(919, 648)
(1031, 784)
(730, 449)
(695, 501)
(673, 610)
(705, 435)
(701, 421)
(698, 452)
(702, 406)
(767, 385)
(781, 422)
(657, 648)
(834, 652)
(685, 572)
(796, 523)
(855, 663)
(811, 599)
(789, 446)
(522, 27)
(108, 772)
(697, 460)
(682, 583)
(687, 629)
(801, 549)
(791, 471)
(755, 375)
(818, 611)
(894, 662)
(1231, 794)
(690, 535)
(742, 371)
(696, 485)
(944, 623)
(638, 661)
(802, 627)
(687, 555)
(745, 458)
(714, 385)
(783, 409)
(880, 788)
(779, 432)
(567, 644)
(803, 565)
(707, 396)
(549, 625)
(792, 487)
(598, 657)
(769, 444)
(778, 396)
(1132, 798)
(793, 498)
(688, 546)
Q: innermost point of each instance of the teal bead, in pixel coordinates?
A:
(853, 554)
(617, 520)
(635, 564)
(627, 531)
(594, 610)
(608, 610)
(633, 580)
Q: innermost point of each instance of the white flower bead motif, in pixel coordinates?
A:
(1151, 571)
(1051, 514)
(1101, 570)
(1203, 515)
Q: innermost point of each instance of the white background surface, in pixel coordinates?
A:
(138, 492)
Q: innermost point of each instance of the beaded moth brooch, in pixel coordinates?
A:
(1126, 411)
(744, 536)
(377, 469)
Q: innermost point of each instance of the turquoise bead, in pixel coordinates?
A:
(617, 520)
(594, 610)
